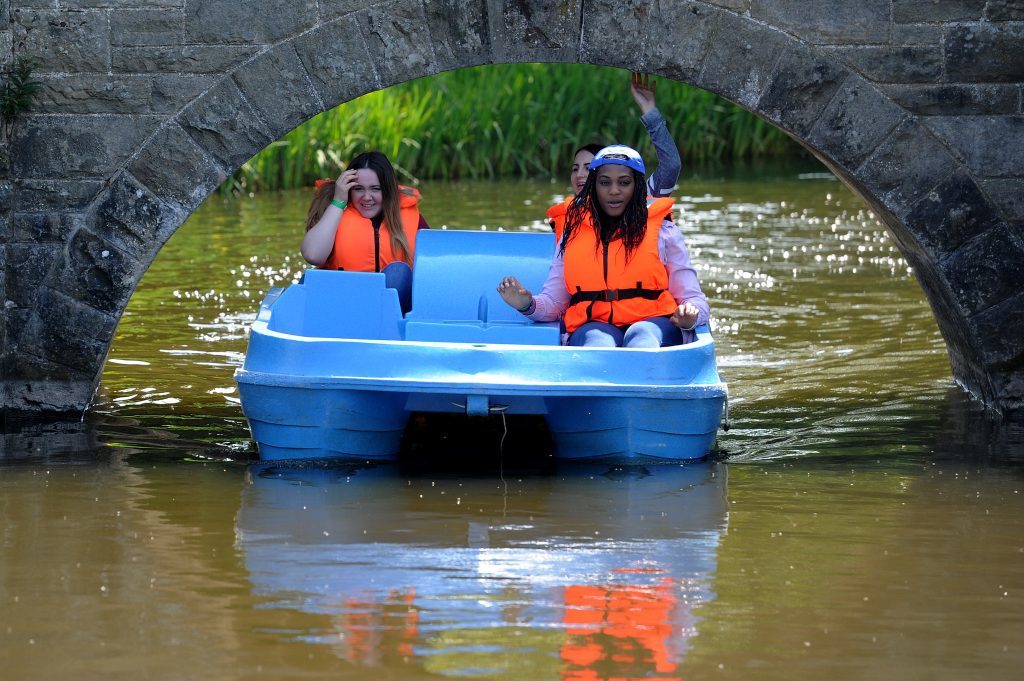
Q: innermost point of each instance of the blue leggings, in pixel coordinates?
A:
(398, 275)
(654, 332)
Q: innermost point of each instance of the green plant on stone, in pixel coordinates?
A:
(17, 93)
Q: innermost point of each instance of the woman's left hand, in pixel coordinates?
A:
(685, 316)
(642, 88)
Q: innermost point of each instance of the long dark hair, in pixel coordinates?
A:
(379, 163)
(630, 226)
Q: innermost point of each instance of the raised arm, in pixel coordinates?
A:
(663, 180)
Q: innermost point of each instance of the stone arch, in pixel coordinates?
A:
(969, 259)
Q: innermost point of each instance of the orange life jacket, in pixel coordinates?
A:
(604, 287)
(358, 247)
(556, 214)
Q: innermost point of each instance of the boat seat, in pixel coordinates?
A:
(335, 304)
(454, 287)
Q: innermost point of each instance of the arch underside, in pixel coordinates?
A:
(968, 257)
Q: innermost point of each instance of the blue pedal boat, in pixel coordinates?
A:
(333, 370)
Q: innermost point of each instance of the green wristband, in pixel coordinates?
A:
(524, 309)
(339, 204)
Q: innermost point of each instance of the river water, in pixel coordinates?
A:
(861, 519)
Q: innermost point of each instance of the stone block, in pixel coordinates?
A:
(991, 146)
(176, 170)
(137, 27)
(93, 93)
(952, 213)
(534, 30)
(915, 11)
(854, 123)
(27, 267)
(16, 319)
(959, 100)
(985, 270)
(291, 101)
(398, 41)
(827, 23)
(1004, 10)
(677, 40)
(133, 220)
(213, 59)
(901, 64)
(741, 59)
(49, 196)
(63, 41)
(341, 70)
(112, 4)
(76, 147)
(6, 196)
(332, 9)
(43, 228)
(801, 86)
(226, 125)
(66, 332)
(253, 21)
(905, 167)
(985, 53)
(627, 19)
(917, 34)
(459, 31)
(39, 388)
(1008, 197)
(735, 5)
(6, 46)
(1001, 331)
(96, 273)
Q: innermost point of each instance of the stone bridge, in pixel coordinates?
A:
(148, 104)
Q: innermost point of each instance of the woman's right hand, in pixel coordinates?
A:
(344, 183)
(513, 293)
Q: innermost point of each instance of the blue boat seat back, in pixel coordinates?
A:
(454, 289)
(334, 304)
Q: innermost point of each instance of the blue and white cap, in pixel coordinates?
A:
(619, 155)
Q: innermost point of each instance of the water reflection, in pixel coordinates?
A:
(592, 573)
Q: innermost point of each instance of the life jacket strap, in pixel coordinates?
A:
(614, 294)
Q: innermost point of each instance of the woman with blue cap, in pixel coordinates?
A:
(622, 275)
(661, 182)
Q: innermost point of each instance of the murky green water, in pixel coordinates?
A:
(865, 519)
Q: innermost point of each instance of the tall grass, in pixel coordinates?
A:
(508, 120)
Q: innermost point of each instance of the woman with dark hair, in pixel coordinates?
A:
(662, 180)
(622, 276)
(347, 216)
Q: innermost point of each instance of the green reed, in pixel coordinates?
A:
(506, 120)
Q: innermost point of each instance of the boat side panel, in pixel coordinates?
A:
(666, 429)
(297, 423)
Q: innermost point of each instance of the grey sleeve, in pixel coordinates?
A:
(663, 180)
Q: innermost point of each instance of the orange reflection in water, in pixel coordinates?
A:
(619, 626)
(373, 633)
